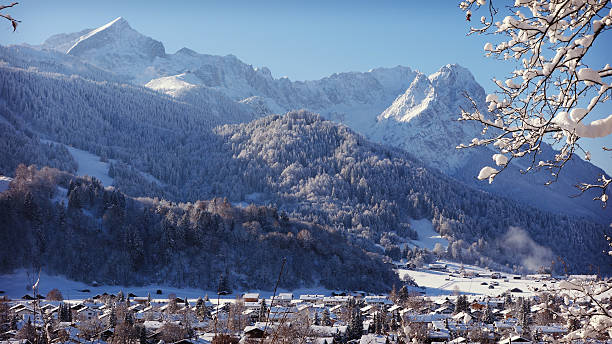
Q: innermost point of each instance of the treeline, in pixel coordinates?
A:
(77, 227)
(315, 170)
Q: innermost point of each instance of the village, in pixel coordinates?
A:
(405, 315)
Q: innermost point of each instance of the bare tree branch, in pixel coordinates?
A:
(8, 17)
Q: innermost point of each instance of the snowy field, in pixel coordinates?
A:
(16, 285)
(447, 282)
(90, 165)
(428, 237)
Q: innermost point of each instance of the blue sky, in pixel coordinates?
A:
(302, 40)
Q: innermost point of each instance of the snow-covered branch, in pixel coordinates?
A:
(553, 96)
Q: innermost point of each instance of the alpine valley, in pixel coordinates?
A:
(218, 168)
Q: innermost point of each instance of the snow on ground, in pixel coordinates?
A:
(18, 284)
(4, 183)
(90, 165)
(428, 237)
(446, 282)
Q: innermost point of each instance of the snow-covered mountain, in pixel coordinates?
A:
(423, 120)
(395, 106)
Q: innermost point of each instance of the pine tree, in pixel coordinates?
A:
(461, 304)
(224, 287)
(487, 317)
(112, 318)
(325, 320)
(355, 327)
(263, 310)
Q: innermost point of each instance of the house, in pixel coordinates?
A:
(514, 339)
(437, 267)
(283, 298)
(251, 314)
(105, 334)
(445, 310)
(250, 297)
(554, 330)
(15, 341)
(25, 312)
(86, 313)
(311, 298)
(373, 339)
(378, 299)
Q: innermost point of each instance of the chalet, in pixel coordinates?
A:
(17, 307)
(25, 313)
(251, 314)
(554, 330)
(438, 335)
(437, 267)
(378, 299)
(86, 313)
(336, 300)
(278, 313)
(250, 297)
(312, 298)
(373, 339)
(254, 331)
(514, 339)
(445, 310)
(254, 305)
(15, 341)
(105, 334)
(283, 298)
(78, 307)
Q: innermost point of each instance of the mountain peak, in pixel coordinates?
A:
(116, 42)
(452, 74)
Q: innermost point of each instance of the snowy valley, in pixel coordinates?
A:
(137, 186)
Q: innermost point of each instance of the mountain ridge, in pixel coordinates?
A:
(369, 102)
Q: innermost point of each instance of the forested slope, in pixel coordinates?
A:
(77, 227)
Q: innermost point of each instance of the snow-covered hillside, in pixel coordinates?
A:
(394, 106)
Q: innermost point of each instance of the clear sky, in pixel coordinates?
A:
(302, 40)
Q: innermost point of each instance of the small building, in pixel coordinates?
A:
(251, 297)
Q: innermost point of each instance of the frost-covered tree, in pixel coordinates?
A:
(555, 94)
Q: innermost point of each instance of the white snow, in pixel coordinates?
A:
(4, 183)
(428, 237)
(487, 172)
(590, 75)
(90, 165)
(17, 284)
(174, 85)
(446, 282)
(572, 122)
(500, 159)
